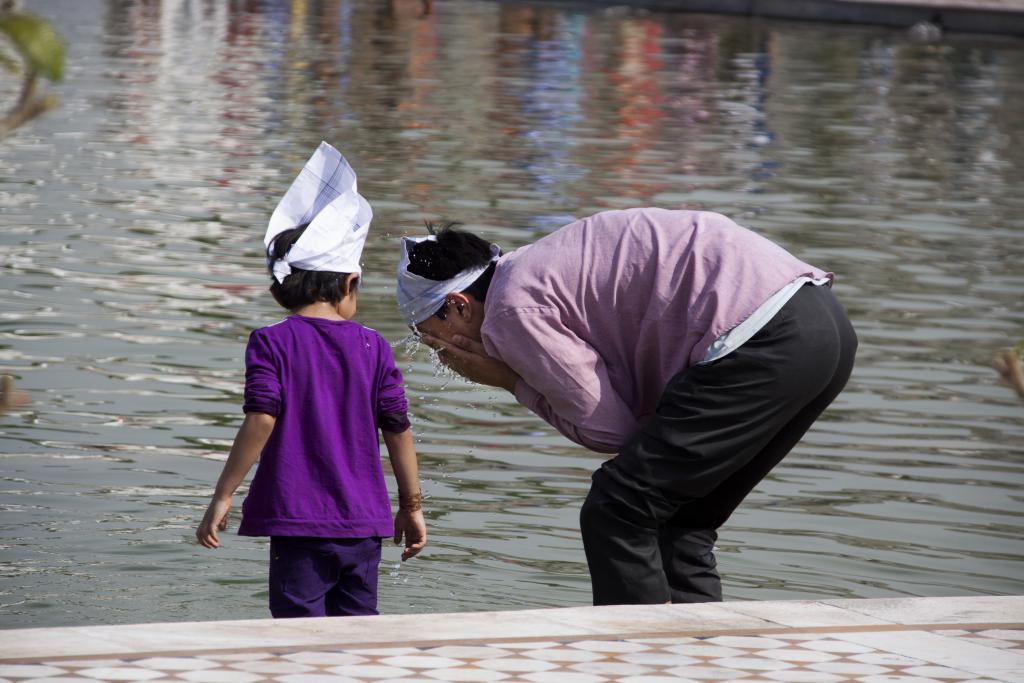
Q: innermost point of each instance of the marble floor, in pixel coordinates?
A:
(912, 640)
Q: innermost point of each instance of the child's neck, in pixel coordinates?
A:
(320, 309)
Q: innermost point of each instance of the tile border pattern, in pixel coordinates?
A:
(920, 639)
(906, 654)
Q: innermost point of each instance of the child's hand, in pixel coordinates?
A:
(216, 518)
(410, 524)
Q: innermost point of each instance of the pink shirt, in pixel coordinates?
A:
(598, 316)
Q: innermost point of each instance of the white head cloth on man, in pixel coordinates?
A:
(324, 196)
(420, 297)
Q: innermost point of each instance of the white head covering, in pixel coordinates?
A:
(323, 195)
(420, 297)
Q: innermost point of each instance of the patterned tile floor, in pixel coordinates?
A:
(792, 656)
(877, 653)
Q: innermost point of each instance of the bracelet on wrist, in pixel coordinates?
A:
(410, 503)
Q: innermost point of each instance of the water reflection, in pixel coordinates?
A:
(132, 222)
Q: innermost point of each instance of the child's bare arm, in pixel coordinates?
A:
(409, 519)
(249, 442)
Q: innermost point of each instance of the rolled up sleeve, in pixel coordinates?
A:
(262, 378)
(392, 406)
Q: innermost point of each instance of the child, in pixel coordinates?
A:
(318, 386)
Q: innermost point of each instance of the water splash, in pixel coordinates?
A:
(408, 344)
(441, 370)
(411, 344)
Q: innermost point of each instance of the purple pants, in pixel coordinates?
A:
(317, 577)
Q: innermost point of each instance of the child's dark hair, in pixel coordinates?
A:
(453, 252)
(303, 287)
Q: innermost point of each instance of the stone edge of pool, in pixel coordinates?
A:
(967, 16)
(628, 621)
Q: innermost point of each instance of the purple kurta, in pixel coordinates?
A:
(598, 316)
(331, 384)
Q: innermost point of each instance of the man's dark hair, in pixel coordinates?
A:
(453, 252)
(303, 287)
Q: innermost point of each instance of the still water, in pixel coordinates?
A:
(132, 219)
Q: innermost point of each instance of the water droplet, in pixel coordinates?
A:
(441, 370)
(409, 345)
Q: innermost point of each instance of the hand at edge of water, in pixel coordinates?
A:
(215, 519)
(410, 525)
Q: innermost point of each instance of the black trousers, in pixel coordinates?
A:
(650, 520)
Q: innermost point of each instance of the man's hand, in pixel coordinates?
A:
(468, 358)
